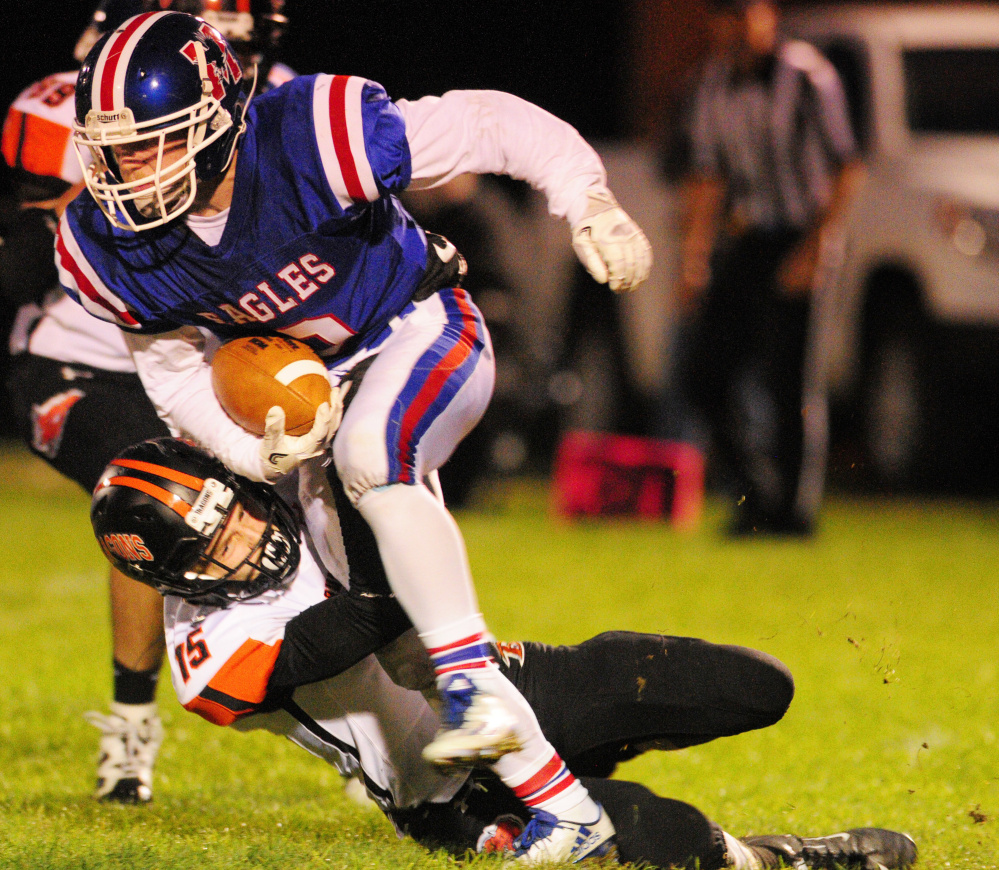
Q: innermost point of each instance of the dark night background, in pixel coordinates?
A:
(566, 57)
(563, 56)
(615, 69)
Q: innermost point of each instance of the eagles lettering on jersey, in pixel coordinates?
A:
(315, 246)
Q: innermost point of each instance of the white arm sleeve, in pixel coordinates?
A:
(177, 379)
(491, 132)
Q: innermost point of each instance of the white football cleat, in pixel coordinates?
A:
(550, 840)
(477, 728)
(130, 738)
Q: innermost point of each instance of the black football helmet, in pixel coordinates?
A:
(109, 14)
(161, 505)
(254, 28)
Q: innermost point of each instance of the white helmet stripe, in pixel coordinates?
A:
(108, 89)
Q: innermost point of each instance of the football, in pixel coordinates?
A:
(251, 375)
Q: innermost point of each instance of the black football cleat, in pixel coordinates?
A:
(856, 849)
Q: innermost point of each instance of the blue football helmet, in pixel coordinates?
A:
(166, 91)
(165, 513)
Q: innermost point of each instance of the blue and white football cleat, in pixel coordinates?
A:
(550, 840)
(477, 727)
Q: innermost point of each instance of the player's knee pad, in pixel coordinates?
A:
(360, 459)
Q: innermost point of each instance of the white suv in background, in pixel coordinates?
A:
(915, 322)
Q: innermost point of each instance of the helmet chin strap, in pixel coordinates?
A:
(207, 89)
(242, 115)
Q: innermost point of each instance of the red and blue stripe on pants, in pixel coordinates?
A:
(435, 380)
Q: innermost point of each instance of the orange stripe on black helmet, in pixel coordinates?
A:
(188, 480)
(175, 502)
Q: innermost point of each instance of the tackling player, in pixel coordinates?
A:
(76, 398)
(280, 215)
(262, 637)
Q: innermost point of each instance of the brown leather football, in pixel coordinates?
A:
(251, 375)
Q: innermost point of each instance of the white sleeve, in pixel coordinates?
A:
(177, 379)
(491, 132)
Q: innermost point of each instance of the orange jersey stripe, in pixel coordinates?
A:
(243, 678)
(43, 148)
(12, 136)
(213, 711)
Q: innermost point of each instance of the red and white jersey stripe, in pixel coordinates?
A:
(76, 273)
(336, 104)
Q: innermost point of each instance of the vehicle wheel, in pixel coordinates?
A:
(894, 404)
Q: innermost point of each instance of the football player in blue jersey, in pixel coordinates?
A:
(212, 212)
(75, 397)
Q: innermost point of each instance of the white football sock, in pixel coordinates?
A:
(543, 782)
(427, 566)
(423, 554)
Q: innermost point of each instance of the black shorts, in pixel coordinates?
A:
(78, 418)
(620, 693)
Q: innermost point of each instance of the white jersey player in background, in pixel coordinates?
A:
(76, 397)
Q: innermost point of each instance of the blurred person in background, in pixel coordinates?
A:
(75, 395)
(773, 166)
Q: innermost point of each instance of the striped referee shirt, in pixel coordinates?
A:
(777, 139)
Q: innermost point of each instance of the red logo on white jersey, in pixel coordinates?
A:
(49, 419)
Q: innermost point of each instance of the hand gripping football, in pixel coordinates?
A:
(251, 375)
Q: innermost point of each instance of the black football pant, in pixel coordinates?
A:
(606, 700)
(652, 831)
(744, 370)
(622, 692)
(78, 418)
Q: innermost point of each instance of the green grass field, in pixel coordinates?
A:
(888, 621)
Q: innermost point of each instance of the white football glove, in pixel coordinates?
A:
(281, 453)
(610, 244)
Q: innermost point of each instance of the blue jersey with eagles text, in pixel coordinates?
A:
(315, 246)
